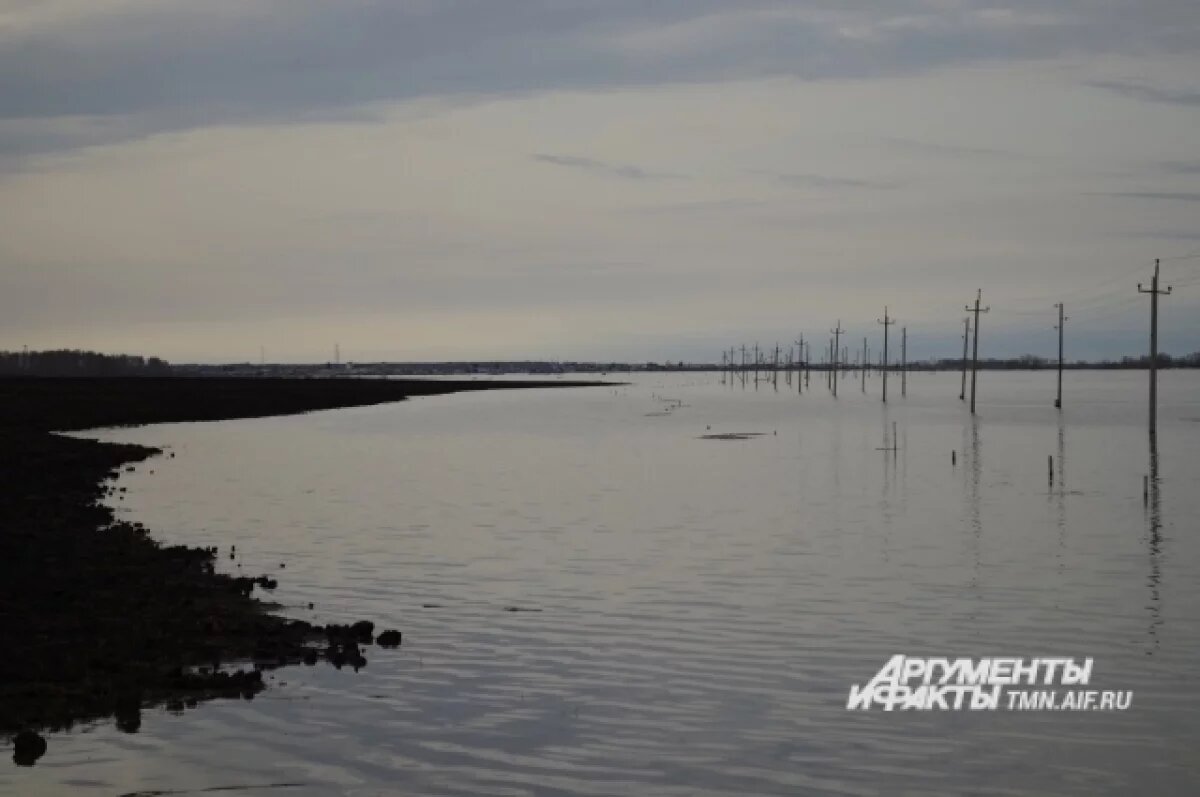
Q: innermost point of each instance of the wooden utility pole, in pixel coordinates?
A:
(829, 366)
(1154, 294)
(865, 365)
(807, 364)
(800, 365)
(975, 348)
(903, 361)
(962, 393)
(887, 322)
(1061, 319)
(775, 368)
(837, 336)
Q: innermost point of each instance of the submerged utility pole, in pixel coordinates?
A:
(975, 350)
(903, 361)
(887, 322)
(1154, 294)
(865, 365)
(829, 366)
(837, 336)
(800, 365)
(962, 393)
(1061, 319)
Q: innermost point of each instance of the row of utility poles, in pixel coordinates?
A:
(801, 361)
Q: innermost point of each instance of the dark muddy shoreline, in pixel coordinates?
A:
(97, 618)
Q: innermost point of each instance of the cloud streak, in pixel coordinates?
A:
(626, 171)
(827, 182)
(1172, 196)
(1148, 93)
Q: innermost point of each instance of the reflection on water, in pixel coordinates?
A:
(707, 595)
(1154, 537)
(1060, 494)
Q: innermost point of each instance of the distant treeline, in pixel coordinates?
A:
(1032, 362)
(71, 362)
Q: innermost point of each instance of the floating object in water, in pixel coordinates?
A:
(389, 639)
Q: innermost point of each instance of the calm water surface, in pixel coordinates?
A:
(703, 606)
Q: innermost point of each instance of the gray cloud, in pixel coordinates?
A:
(1166, 235)
(1178, 196)
(953, 150)
(1147, 92)
(627, 171)
(169, 66)
(1180, 167)
(821, 181)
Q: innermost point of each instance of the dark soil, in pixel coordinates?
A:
(98, 619)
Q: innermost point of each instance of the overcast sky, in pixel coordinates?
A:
(593, 179)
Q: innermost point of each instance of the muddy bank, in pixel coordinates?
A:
(98, 618)
(86, 403)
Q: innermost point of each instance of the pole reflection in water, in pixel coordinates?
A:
(1154, 540)
(973, 498)
(1060, 494)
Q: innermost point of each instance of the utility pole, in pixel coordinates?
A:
(903, 361)
(887, 322)
(743, 365)
(1061, 319)
(865, 365)
(775, 369)
(1154, 294)
(831, 358)
(800, 365)
(837, 336)
(962, 393)
(975, 349)
(755, 363)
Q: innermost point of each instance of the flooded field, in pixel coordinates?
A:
(669, 587)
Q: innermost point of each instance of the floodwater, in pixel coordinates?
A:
(700, 608)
